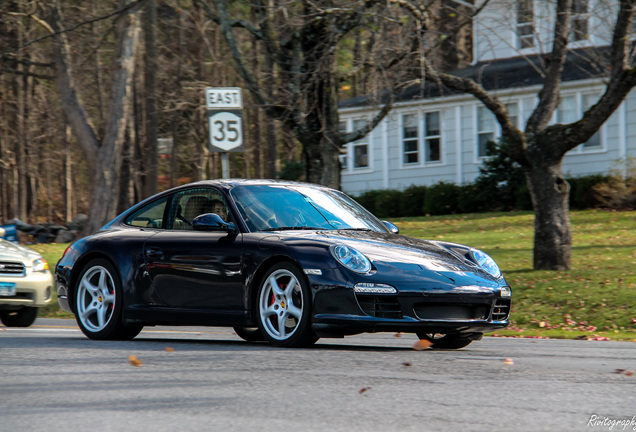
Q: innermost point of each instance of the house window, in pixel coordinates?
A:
(360, 147)
(567, 112)
(579, 21)
(485, 129)
(525, 24)
(513, 113)
(410, 139)
(432, 138)
(344, 161)
(594, 142)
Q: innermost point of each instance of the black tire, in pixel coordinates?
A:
(250, 334)
(446, 341)
(22, 317)
(98, 299)
(283, 307)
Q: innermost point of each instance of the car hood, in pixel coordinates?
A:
(413, 259)
(15, 252)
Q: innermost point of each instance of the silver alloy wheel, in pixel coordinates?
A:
(281, 304)
(96, 298)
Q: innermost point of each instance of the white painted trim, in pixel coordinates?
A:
(458, 145)
(385, 153)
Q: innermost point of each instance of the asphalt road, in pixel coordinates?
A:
(206, 379)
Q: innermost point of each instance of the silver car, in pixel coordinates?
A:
(26, 284)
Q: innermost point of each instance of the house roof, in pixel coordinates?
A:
(501, 74)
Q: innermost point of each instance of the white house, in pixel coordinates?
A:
(434, 134)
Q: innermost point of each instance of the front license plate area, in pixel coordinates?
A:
(7, 289)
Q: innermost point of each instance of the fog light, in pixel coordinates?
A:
(506, 292)
(47, 293)
(373, 288)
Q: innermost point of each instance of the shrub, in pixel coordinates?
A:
(441, 198)
(387, 203)
(582, 195)
(412, 203)
(469, 199)
(499, 178)
(368, 199)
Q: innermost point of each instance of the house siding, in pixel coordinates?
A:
(495, 39)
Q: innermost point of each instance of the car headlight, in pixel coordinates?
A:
(350, 258)
(485, 262)
(40, 265)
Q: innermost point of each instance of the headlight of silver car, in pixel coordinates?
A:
(40, 265)
(350, 258)
(486, 263)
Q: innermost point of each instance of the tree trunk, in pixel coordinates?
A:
(150, 67)
(552, 231)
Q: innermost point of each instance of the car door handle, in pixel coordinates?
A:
(153, 252)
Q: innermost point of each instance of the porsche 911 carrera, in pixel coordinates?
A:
(282, 262)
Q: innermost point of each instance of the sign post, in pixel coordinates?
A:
(225, 121)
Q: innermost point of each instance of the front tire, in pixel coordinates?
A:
(284, 307)
(22, 317)
(446, 341)
(99, 303)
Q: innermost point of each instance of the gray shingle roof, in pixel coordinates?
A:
(508, 73)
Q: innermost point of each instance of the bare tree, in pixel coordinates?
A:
(301, 40)
(103, 154)
(541, 147)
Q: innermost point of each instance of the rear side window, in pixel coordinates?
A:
(149, 216)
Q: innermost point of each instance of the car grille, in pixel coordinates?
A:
(11, 268)
(501, 310)
(450, 312)
(380, 306)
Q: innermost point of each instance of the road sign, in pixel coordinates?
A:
(223, 98)
(226, 131)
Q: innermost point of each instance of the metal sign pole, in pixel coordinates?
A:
(225, 165)
(225, 122)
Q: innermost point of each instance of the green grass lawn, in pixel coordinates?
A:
(596, 298)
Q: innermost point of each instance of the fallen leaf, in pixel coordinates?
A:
(169, 349)
(399, 334)
(542, 324)
(363, 390)
(134, 361)
(509, 361)
(407, 364)
(629, 373)
(422, 344)
(619, 371)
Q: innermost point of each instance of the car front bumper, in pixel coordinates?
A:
(34, 290)
(339, 310)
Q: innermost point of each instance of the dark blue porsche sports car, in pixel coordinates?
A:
(278, 261)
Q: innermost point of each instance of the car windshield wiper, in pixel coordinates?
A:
(286, 228)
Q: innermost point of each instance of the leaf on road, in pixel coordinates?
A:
(509, 361)
(169, 349)
(422, 344)
(364, 390)
(407, 364)
(134, 361)
(398, 334)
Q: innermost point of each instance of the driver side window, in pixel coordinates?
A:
(189, 204)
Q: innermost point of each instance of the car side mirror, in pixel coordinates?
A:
(391, 227)
(212, 222)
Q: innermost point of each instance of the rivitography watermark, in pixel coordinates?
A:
(609, 423)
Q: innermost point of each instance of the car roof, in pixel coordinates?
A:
(231, 183)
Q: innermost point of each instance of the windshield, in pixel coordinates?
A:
(284, 207)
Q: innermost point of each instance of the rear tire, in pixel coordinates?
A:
(99, 303)
(445, 341)
(250, 334)
(22, 317)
